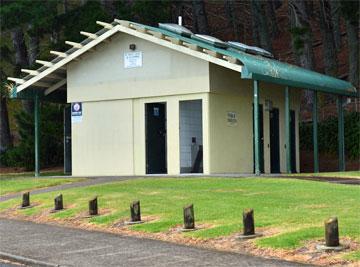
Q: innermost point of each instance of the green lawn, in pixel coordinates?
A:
(13, 184)
(296, 208)
(348, 174)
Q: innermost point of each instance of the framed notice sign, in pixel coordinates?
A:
(132, 60)
(76, 112)
(231, 118)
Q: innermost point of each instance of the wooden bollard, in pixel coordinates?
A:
(25, 200)
(332, 232)
(93, 206)
(135, 211)
(189, 218)
(248, 222)
(59, 202)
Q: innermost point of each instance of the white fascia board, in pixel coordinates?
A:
(69, 58)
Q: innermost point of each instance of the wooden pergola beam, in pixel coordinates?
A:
(73, 44)
(30, 72)
(59, 54)
(45, 63)
(17, 80)
(89, 35)
(105, 24)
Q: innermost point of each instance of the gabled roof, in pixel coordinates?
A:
(52, 75)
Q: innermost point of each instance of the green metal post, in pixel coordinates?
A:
(256, 128)
(287, 130)
(37, 134)
(315, 132)
(341, 133)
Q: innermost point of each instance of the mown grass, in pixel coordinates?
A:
(13, 184)
(296, 208)
(347, 174)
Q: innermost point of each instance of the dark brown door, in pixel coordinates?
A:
(155, 138)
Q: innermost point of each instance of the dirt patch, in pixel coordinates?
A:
(305, 254)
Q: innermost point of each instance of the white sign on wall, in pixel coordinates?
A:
(231, 118)
(132, 60)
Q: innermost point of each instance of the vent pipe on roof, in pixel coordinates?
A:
(180, 20)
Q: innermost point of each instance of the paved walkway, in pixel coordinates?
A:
(56, 245)
(87, 182)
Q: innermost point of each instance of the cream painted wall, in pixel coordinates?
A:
(173, 137)
(232, 146)
(111, 138)
(102, 143)
(100, 75)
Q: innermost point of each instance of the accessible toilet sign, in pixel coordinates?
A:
(76, 112)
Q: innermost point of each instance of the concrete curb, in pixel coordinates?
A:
(26, 261)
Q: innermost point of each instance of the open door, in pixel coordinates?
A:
(274, 141)
(67, 140)
(155, 118)
(191, 136)
(261, 131)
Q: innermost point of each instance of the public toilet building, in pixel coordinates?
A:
(146, 100)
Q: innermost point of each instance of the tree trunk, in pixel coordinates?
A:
(231, 15)
(260, 19)
(272, 18)
(110, 7)
(255, 23)
(302, 39)
(350, 12)
(353, 43)
(335, 17)
(33, 50)
(21, 60)
(5, 136)
(200, 23)
(329, 57)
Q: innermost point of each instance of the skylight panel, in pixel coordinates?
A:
(175, 28)
(210, 40)
(250, 49)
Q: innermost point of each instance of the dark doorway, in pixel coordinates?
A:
(155, 119)
(67, 140)
(293, 141)
(274, 141)
(261, 131)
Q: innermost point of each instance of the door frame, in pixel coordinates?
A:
(146, 136)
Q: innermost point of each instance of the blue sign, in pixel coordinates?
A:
(76, 112)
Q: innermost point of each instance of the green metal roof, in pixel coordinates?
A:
(270, 70)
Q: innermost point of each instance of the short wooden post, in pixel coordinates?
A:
(189, 218)
(25, 200)
(93, 206)
(332, 232)
(59, 202)
(135, 211)
(248, 222)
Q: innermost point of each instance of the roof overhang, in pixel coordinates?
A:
(51, 78)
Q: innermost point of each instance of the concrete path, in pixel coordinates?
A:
(53, 245)
(87, 182)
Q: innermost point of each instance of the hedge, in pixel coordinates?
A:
(328, 135)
